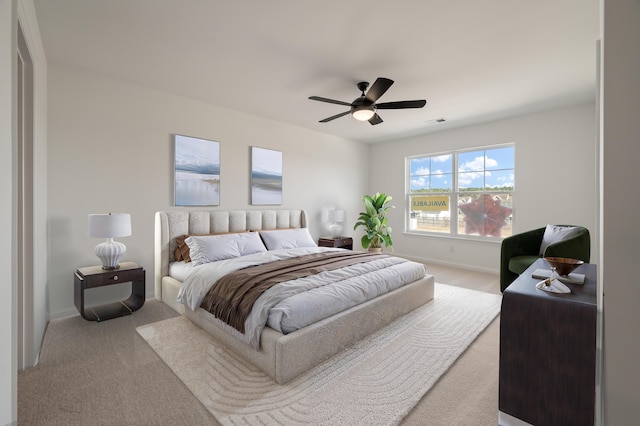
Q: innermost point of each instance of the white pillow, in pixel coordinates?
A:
(555, 233)
(209, 248)
(287, 238)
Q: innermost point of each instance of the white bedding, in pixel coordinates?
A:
(180, 270)
(294, 304)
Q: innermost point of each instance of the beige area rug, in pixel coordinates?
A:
(377, 381)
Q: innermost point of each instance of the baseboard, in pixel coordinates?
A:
(505, 419)
(64, 314)
(428, 262)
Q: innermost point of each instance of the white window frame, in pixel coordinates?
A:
(454, 195)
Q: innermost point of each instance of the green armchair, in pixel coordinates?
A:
(519, 251)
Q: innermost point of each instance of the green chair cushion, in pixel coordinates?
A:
(519, 264)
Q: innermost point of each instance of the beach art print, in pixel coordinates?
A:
(197, 172)
(266, 176)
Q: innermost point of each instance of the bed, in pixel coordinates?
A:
(282, 356)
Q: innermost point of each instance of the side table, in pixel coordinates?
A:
(340, 242)
(548, 352)
(95, 276)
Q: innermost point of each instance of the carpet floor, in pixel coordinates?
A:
(378, 381)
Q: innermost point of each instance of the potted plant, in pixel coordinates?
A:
(374, 220)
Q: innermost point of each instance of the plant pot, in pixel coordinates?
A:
(375, 249)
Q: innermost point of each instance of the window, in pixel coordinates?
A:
(462, 193)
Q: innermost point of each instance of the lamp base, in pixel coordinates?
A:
(111, 268)
(110, 253)
(335, 229)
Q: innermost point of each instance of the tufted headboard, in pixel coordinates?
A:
(169, 225)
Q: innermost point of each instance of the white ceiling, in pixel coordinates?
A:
(471, 60)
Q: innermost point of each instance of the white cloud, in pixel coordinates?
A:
(479, 163)
(418, 182)
(421, 171)
(442, 158)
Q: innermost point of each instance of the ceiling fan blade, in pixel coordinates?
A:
(333, 117)
(380, 86)
(402, 104)
(375, 120)
(331, 101)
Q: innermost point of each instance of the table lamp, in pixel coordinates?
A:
(110, 226)
(337, 217)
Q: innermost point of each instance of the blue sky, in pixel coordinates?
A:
(432, 172)
(482, 168)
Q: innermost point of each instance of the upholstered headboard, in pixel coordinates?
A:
(169, 225)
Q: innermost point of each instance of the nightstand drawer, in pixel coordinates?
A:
(341, 242)
(95, 276)
(346, 242)
(113, 277)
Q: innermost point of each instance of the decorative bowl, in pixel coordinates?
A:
(563, 265)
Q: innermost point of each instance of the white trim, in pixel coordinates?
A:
(38, 316)
(505, 419)
(428, 261)
(8, 131)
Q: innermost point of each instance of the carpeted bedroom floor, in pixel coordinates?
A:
(105, 373)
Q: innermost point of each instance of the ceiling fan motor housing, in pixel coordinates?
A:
(362, 109)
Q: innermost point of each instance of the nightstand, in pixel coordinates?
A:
(95, 276)
(340, 242)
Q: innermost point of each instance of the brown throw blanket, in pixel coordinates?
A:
(232, 297)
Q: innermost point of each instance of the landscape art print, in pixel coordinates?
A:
(197, 172)
(266, 176)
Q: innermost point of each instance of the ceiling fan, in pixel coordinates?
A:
(364, 107)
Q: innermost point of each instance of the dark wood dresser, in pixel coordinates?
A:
(548, 351)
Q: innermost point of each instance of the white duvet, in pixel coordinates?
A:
(294, 304)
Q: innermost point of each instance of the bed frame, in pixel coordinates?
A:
(282, 357)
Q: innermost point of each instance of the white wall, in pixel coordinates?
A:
(110, 149)
(555, 178)
(621, 210)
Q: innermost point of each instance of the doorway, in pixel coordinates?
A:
(25, 191)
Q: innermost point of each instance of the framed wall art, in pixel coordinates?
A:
(197, 171)
(266, 176)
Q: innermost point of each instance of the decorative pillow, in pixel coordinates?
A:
(555, 233)
(209, 248)
(182, 251)
(287, 238)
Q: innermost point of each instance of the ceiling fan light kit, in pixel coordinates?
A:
(364, 108)
(363, 112)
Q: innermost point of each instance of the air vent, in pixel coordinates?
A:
(436, 121)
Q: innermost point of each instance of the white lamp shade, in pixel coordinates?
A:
(109, 225)
(337, 215)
